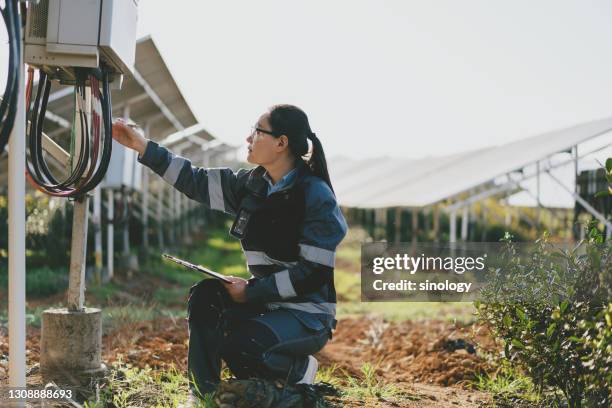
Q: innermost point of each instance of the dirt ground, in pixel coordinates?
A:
(430, 362)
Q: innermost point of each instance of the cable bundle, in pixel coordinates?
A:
(94, 147)
(8, 106)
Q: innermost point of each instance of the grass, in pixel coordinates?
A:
(128, 386)
(371, 386)
(40, 281)
(508, 385)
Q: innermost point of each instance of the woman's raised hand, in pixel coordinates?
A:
(128, 136)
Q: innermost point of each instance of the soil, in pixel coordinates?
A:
(431, 362)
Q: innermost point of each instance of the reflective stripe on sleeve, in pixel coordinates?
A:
(318, 255)
(215, 190)
(284, 285)
(174, 169)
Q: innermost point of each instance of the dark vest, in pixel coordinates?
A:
(271, 224)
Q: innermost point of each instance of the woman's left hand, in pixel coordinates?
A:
(236, 289)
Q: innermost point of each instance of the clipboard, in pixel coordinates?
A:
(198, 268)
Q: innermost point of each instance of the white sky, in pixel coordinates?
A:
(394, 77)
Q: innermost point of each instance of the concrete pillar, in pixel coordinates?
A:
(70, 348)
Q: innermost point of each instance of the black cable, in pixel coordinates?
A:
(8, 106)
(81, 179)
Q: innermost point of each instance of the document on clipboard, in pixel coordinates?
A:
(198, 268)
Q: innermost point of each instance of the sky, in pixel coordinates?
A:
(399, 78)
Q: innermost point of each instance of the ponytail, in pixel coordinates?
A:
(317, 162)
(291, 121)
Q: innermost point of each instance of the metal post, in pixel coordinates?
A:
(171, 203)
(398, 224)
(16, 245)
(436, 223)
(126, 226)
(110, 231)
(78, 249)
(483, 209)
(145, 199)
(538, 195)
(160, 217)
(97, 211)
(464, 223)
(575, 157)
(145, 210)
(126, 234)
(415, 224)
(575, 225)
(453, 227)
(179, 215)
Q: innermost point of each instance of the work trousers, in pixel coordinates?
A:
(253, 341)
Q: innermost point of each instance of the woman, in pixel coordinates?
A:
(289, 226)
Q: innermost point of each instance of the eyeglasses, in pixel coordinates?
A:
(256, 129)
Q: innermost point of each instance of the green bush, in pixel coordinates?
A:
(552, 310)
(40, 281)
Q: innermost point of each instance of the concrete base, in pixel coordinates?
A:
(71, 346)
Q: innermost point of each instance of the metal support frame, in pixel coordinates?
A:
(16, 245)
(466, 203)
(453, 227)
(157, 100)
(585, 204)
(465, 219)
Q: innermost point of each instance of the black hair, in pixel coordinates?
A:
(291, 121)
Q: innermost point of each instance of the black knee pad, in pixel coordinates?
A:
(207, 300)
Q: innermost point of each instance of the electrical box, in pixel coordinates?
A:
(61, 34)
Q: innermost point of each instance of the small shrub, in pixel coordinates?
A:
(553, 313)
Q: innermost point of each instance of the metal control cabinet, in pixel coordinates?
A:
(81, 33)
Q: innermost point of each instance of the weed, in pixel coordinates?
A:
(370, 385)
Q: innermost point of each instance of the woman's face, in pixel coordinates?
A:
(264, 148)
